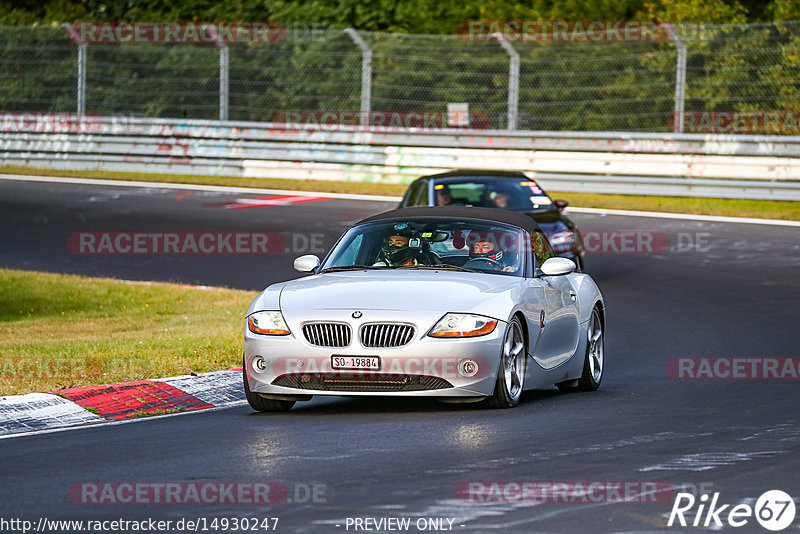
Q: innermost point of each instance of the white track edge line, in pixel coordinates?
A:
(683, 216)
(378, 198)
(195, 187)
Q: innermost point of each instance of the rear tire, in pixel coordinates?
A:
(513, 365)
(259, 403)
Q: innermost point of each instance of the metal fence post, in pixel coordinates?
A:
(513, 80)
(680, 78)
(81, 104)
(82, 78)
(366, 75)
(224, 69)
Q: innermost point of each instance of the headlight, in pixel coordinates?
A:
(270, 323)
(561, 241)
(463, 325)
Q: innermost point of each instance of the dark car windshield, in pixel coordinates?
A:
(520, 194)
(428, 243)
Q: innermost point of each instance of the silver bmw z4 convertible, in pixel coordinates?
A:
(458, 303)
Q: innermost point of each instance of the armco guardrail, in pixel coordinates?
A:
(766, 167)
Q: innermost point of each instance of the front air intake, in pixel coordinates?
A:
(383, 335)
(368, 383)
(327, 334)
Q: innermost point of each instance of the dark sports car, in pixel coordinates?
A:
(505, 190)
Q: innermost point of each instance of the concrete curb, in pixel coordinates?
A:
(114, 402)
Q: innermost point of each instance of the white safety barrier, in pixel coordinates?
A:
(766, 167)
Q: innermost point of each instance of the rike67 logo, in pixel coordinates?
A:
(774, 510)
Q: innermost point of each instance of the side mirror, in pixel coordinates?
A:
(558, 266)
(306, 264)
(561, 204)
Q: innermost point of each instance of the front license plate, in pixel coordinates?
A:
(356, 362)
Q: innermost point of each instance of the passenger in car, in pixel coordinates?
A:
(397, 252)
(393, 244)
(443, 195)
(500, 199)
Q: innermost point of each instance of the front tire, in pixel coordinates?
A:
(594, 362)
(513, 365)
(259, 403)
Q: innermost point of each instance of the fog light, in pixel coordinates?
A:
(259, 365)
(468, 367)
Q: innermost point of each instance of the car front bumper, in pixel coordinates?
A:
(286, 366)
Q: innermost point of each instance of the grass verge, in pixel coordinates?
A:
(727, 207)
(59, 331)
(763, 209)
(327, 186)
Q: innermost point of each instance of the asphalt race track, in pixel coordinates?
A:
(718, 290)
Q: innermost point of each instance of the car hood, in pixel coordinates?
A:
(551, 220)
(390, 290)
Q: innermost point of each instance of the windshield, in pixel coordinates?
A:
(488, 192)
(452, 244)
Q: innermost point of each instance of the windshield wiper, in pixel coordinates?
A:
(442, 267)
(351, 268)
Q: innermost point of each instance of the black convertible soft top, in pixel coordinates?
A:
(475, 173)
(459, 212)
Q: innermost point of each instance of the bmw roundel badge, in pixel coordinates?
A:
(357, 315)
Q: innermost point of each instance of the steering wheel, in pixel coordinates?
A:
(476, 263)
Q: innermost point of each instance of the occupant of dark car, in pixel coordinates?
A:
(500, 198)
(443, 196)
